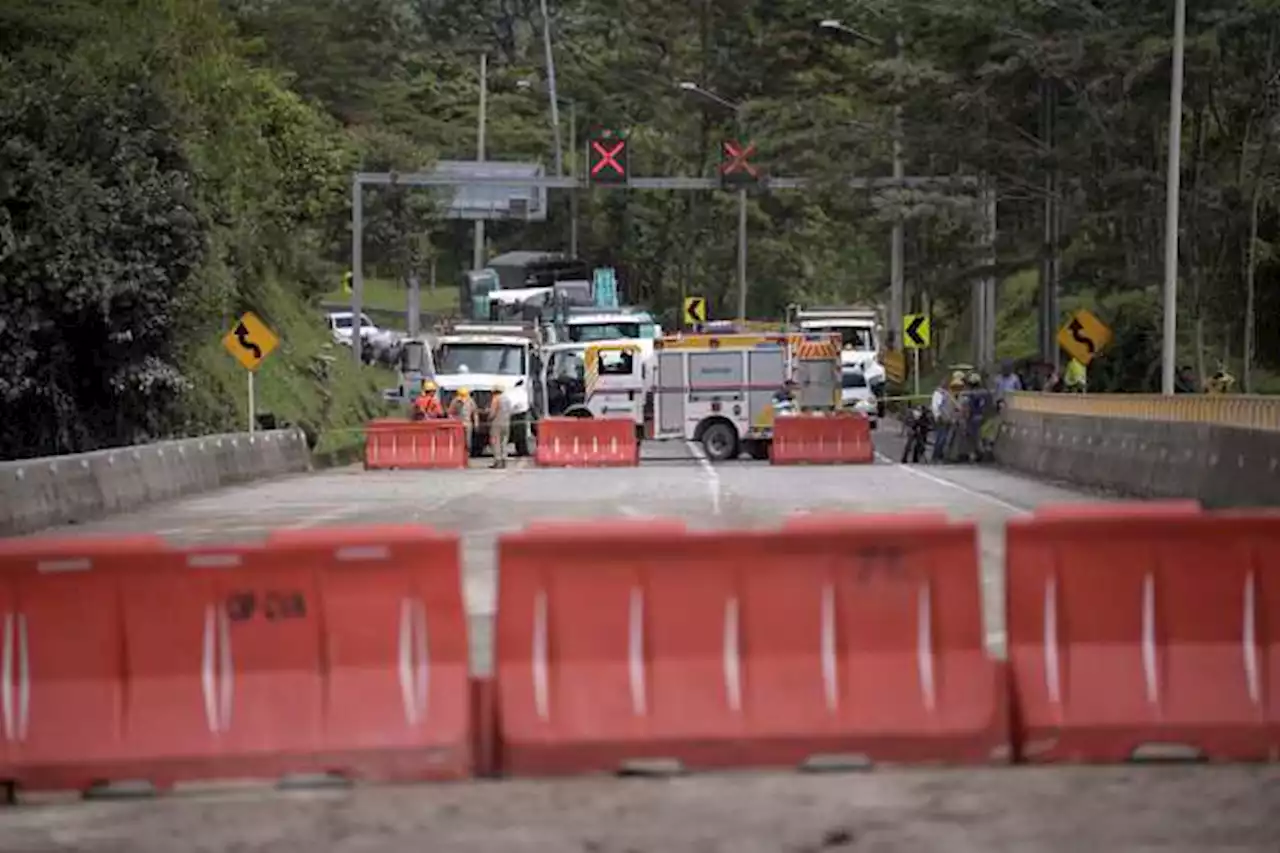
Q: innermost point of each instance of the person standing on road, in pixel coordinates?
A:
(499, 427)
(943, 406)
(1007, 382)
(463, 408)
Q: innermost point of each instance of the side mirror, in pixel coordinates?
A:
(519, 382)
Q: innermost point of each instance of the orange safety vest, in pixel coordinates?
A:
(429, 405)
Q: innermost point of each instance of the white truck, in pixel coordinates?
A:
(719, 390)
(605, 379)
(482, 357)
(859, 329)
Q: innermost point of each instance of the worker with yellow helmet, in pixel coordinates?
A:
(463, 408)
(428, 403)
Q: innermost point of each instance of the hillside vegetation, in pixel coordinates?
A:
(167, 164)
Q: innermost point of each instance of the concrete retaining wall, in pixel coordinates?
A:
(1221, 466)
(40, 493)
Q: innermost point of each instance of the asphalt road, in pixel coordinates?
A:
(1064, 810)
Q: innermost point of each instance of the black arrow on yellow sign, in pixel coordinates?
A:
(1077, 331)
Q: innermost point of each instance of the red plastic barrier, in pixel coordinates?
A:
(1136, 635)
(415, 444)
(616, 644)
(587, 443)
(1119, 508)
(343, 655)
(801, 439)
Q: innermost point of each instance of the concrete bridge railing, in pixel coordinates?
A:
(39, 493)
(1223, 450)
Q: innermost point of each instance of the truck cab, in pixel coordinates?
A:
(606, 379)
(483, 357)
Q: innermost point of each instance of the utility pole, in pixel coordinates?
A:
(896, 285)
(1169, 350)
(477, 250)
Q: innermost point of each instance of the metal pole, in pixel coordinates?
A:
(896, 286)
(573, 165)
(742, 255)
(477, 249)
(991, 282)
(915, 371)
(551, 87)
(253, 414)
(1170, 349)
(357, 265)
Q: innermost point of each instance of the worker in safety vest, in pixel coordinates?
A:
(463, 408)
(1076, 377)
(428, 403)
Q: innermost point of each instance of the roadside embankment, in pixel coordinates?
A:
(39, 493)
(1224, 451)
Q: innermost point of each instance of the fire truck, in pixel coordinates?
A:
(719, 390)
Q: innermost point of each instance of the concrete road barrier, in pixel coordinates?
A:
(1222, 466)
(53, 490)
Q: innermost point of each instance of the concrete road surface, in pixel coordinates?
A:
(1063, 809)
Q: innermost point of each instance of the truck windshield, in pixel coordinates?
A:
(851, 337)
(606, 331)
(500, 359)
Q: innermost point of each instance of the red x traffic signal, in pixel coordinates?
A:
(607, 163)
(736, 168)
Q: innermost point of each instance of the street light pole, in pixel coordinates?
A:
(477, 248)
(1170, 349)
(528, 86)
(695, 89)
(897, 288)
(551, 88)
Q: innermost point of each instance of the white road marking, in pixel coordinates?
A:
(973, 493)
(709, 470)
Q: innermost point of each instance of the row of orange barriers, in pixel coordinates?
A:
(822, 439)
(392, 443)
(830, 642)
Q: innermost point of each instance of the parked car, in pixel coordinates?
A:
(856, 394)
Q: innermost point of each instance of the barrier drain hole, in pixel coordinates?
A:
(313, 782)
(653, 768)
(125, 789)
(837, 763)
(1167, 753)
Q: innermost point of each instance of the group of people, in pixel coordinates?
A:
(427, 406)
(960, 411)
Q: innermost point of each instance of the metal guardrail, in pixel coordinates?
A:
(1253, 411)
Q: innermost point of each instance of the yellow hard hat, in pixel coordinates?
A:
(428, 385)
(464, 392)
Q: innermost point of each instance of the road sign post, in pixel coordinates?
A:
(1084, 336)
(250, 341)
(916, 332)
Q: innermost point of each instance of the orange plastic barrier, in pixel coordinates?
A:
(415, 444)
(587, 443)
(801, 439)
(823, 644)
(1119, 508)
(1150, 634)
(346, 654)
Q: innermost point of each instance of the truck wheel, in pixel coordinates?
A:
(720, 442)
(522, 436)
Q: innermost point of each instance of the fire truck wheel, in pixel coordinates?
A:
(720, 441)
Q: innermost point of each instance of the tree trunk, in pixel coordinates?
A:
(1250, 289)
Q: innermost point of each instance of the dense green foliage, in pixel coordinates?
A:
(165, 164)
